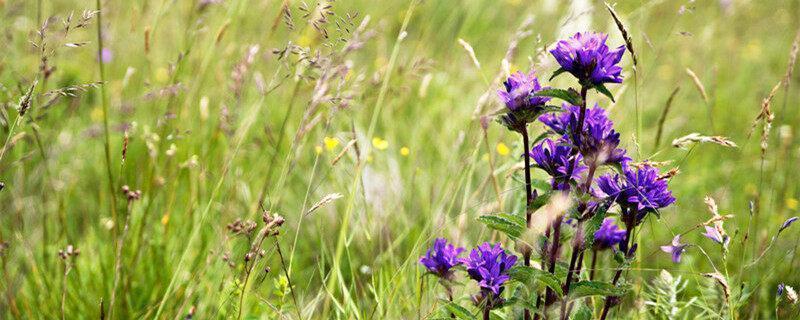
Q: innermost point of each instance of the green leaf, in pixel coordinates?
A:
(619, 257)
(571, 96)
(583, 313)
(602, 89)
(523, 298)
(530, 276)
(539, 138)
(541, 200)
(552, 108)
(595, 288)
(747, 291)
(557, 73)
(561, 269)
(541, 184)
(511, 225)
(594, 224)
(459, 311)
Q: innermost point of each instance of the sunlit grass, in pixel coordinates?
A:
(235, 108)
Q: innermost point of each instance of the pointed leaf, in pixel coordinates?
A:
(594, 224)
(539, 138)
(541, 200)
(595, 288)
(602, 89)
(540, 184)
(509, 224)
(523, 298)
(583, 313)
(557, 73)
(459, 311)
(530, 276)
(570, 96)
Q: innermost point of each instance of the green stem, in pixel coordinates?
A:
(104, 105)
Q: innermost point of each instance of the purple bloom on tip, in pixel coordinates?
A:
(106, 55)
(716, 236)
(554, 158)
(608, 235)
(588, 58)
(597, 140)
(780, 289)
(489, 265)
(519, 89)
(560, 122)
(787, 223)
(441, 258)
(640, 190)
(676, 249)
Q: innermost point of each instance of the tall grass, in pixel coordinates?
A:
(229, 110)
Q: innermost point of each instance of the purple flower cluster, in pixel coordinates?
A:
(588, 58)
(554, 158)
(489, 265)
(519, 90)
(580, 141)
(640, 190)
(597, 140)
(441, 258)
(608, 235)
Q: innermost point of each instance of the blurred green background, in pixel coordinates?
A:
(225, 103)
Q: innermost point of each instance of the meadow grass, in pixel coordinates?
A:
(359, 123)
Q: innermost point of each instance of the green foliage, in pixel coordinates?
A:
(583, 312)
(603, 90)
(458, 311)
(509, 224)
(536, 279)
(664, 299)
(582, 289)
(594, 224)
(570, 96)
(211, 132)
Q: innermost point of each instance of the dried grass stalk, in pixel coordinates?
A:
(687, 140)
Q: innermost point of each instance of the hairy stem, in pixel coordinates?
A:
(528, 189)
(618, 274)
(553, 257)
(528, 198)
(576, 250)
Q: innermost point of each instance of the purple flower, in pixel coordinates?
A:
(489, 265)
(555, 159)
(588, 58)
(781, 286)
(787, 223)
(597, 140)
(441, 258)
(561, 122)
(676, 249)
(519, 91)
(608, 235)
(106, 55)
(641, 190)
(717, 236)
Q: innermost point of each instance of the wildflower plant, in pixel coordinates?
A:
(580, 151)
(488, 265)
